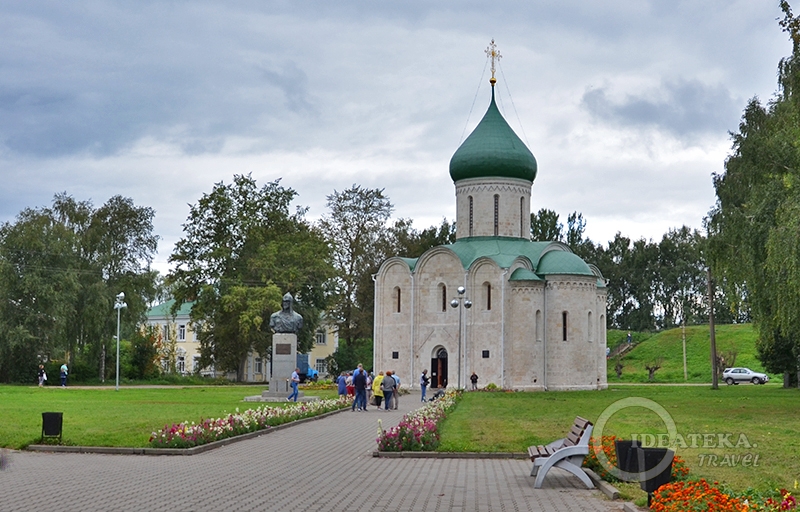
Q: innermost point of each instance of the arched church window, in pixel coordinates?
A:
(496, 214)
(443, 290)
(470, 216)
(564, 325)
(590, 327)
(397, 298)
(521, 214)
(539, 326)
(488, 292)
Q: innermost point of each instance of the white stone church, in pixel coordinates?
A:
(537, 319)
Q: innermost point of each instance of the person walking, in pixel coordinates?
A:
(377, 393)
(396, 394)
(424, 380)
(348, 381)
(474, 379)
(64, 375)
(42, 375)
(295, 382)
(341, 382)
(360, 383)
(388, 386)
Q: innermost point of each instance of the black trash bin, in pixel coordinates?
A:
(51, 424)
(626, 459)
(647, 459)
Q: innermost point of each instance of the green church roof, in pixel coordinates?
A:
(164, 310)
(561, 262)
(545, 257)
(501, 250)
(493, 149)
(523, 274)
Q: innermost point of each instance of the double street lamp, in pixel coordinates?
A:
(455, 303)
(119, 303)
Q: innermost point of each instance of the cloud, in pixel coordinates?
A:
(684, 108)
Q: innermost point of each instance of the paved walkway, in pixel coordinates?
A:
(319, 465)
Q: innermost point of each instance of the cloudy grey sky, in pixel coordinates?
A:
(626, 105)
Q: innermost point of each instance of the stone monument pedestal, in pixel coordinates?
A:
(284, 361)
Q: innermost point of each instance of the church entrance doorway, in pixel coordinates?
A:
(439, 369)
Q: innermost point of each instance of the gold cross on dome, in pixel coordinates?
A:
(493, 53)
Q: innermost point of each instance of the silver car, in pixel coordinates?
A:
(737, 375)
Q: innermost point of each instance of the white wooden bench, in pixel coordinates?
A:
(567, 453)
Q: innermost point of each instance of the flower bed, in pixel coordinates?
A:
(417, 431)
(696, 495)
(692, 495)
(700, 495)
(187, 435)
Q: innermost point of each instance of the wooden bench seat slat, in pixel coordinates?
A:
(545, 457)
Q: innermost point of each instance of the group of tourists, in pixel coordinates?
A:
(380, 390)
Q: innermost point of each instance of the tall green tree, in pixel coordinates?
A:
(242, 250)
(402, 239)
(754, 238)
(680, 287)
(60, 268)
(355, 226)
(546, 227)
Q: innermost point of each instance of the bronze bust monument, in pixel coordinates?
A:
(286, 320)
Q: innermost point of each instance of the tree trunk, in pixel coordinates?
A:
(240, 372)
(103, 363)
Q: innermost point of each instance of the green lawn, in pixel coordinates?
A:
(668, 345)
(768, 416)
(104, 417)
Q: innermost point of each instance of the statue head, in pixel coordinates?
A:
(287, 302)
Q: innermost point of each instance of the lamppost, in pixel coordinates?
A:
(455, 303)
(119, 303)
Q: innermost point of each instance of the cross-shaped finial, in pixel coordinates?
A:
(493, 53)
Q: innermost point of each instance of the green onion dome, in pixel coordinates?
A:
(493, 149)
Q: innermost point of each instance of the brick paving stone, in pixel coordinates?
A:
(319, 465)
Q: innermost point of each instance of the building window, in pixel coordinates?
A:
(166, 332)
(181, 333)
(539, 326)
(395, 355)
(258, 365)
(397, 299)
(321, 366)
(521, 216)
(488, 288)
(320, 336)
(470, 216)
(444, 297)
(181, 364)
(590, 327)
(564, 325)
(496, 214)
(485, 354)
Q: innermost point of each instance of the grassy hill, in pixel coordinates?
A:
(667, 345)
